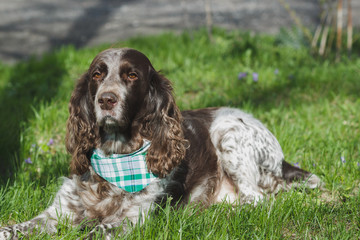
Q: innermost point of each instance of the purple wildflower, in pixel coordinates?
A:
(28, 160)
(255, 77)
(51, 142)
(314, 165)
(358, 164)
(242, 75)
(297, 165)
(342, 158)
(276, 72)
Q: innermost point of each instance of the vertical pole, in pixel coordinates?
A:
(208, 19)
(349, 28)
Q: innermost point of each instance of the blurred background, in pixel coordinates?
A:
(32, 27)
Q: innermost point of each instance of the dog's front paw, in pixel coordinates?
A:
(6, 233)
(252, 199)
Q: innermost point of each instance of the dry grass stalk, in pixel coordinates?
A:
(325, 33)
(316, 36)
(323, 40)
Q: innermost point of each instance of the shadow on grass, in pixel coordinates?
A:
(296, 91)
(29, 84)
(303, 80)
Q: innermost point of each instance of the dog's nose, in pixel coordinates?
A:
(107, 100)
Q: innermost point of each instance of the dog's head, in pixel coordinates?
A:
(120, 101)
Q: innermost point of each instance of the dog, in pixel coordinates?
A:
(123, 113)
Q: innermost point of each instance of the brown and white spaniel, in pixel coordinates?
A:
(202, 156)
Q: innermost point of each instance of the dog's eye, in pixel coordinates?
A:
(132, 76)
(97, 75)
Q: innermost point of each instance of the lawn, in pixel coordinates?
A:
(309, 103)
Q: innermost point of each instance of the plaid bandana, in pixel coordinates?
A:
(127, 171)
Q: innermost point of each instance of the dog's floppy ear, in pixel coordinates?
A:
(161, 123)
(81, 127)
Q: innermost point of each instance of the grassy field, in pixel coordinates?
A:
(311, 105)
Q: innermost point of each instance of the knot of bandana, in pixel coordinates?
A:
(127, 171)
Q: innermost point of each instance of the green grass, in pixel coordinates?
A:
(311, 105)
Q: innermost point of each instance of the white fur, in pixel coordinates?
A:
(111, 83)
(244, 146)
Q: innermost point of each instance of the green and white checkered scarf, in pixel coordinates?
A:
(127, 171)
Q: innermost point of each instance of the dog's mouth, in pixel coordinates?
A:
(109, 120)
(112, 125)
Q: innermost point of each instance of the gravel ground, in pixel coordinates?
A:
(32, 27)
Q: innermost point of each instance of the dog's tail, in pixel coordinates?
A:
(297, 177)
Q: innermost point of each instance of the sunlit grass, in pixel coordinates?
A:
(311, 105)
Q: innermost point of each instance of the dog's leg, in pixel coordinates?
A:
(132, 209)
(48, 220)
(243, 174)
(38, 224)
(245, 148)
(237, 162)
(108, 231)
